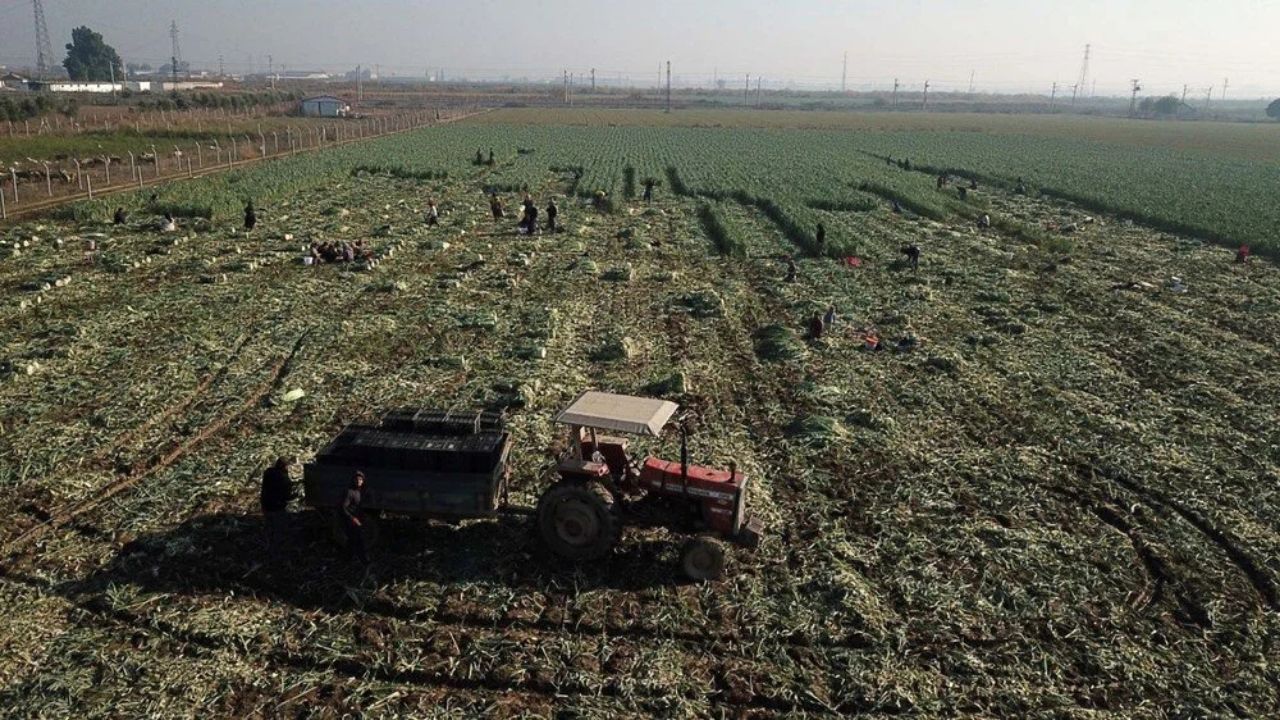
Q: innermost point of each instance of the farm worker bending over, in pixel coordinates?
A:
(821, 236)
(433, 213)
(168, 224)
(552, 211)
(353, 521)
(913, 256)
(599, 201)
(277, 491)
(1242, 255)
(791, 269)
(119, 218)
(495, 205)
(250, 216)
(984, 221)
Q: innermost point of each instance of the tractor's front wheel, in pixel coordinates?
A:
(702, 559)
(576, 520)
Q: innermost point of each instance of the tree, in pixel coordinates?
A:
(1167, 105)
(91, 59)
(1273, 110)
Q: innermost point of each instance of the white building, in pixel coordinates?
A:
(324, 106)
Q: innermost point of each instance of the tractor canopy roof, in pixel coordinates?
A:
(619, 413)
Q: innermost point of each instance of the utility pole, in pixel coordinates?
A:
(1053, 97)
(758, 84)
(593, 80)
(565, 80)
(173, 57)
(1184, 93)
(359, 83)
(271, 70)
(668, 86)
(971, 74)
(1133, 98)
(1225, 84)
(44, 48)
(1075, 90)
(1208, 97)
(221, 69)
(844, 74)
(925, 104)
(746, 94)
(895, 92)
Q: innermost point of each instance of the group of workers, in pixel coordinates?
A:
(328, 251)
(277, 492)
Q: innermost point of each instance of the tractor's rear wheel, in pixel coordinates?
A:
(576, 520)
(702, 559)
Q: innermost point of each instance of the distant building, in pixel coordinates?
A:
(186, 85)
(324, 106)
(13, 81)
(302, 75)
(78, 87)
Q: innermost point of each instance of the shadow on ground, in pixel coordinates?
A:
(223, 554)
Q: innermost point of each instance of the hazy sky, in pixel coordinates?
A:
(1009, 45)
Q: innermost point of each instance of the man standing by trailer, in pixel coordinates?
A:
(277, 491)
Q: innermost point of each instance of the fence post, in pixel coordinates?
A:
(199, 155)
(13, 174)
(48, 181)
(190, 172)
(133, 166)
(156, 157)
(231, 159)
(89, 180)
(79, 175)
(4, 212)
(107, 158)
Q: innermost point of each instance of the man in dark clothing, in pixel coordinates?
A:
(815, 327)
(648, 189)
(531, 212)
(250, 216)
(277, 491)
(552, 211)
(353, 520)
(479, 157)
(821, 237)
(495, 205)
(942, 181)
(913, 256)
(490, 156)
(973, 183)
(120, 218)
(896, 207)
(964, 192)
(791, 269)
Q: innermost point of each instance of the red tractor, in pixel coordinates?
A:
(602, 488)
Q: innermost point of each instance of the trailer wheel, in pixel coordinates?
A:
(576, 520)
(702, 559)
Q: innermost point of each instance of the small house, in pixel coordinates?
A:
(325, 106)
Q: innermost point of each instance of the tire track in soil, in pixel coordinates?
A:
(1258, 578)
(1154, 565)
(276, 375)
(97, 607)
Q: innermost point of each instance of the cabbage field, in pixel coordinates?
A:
(1059, 499)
